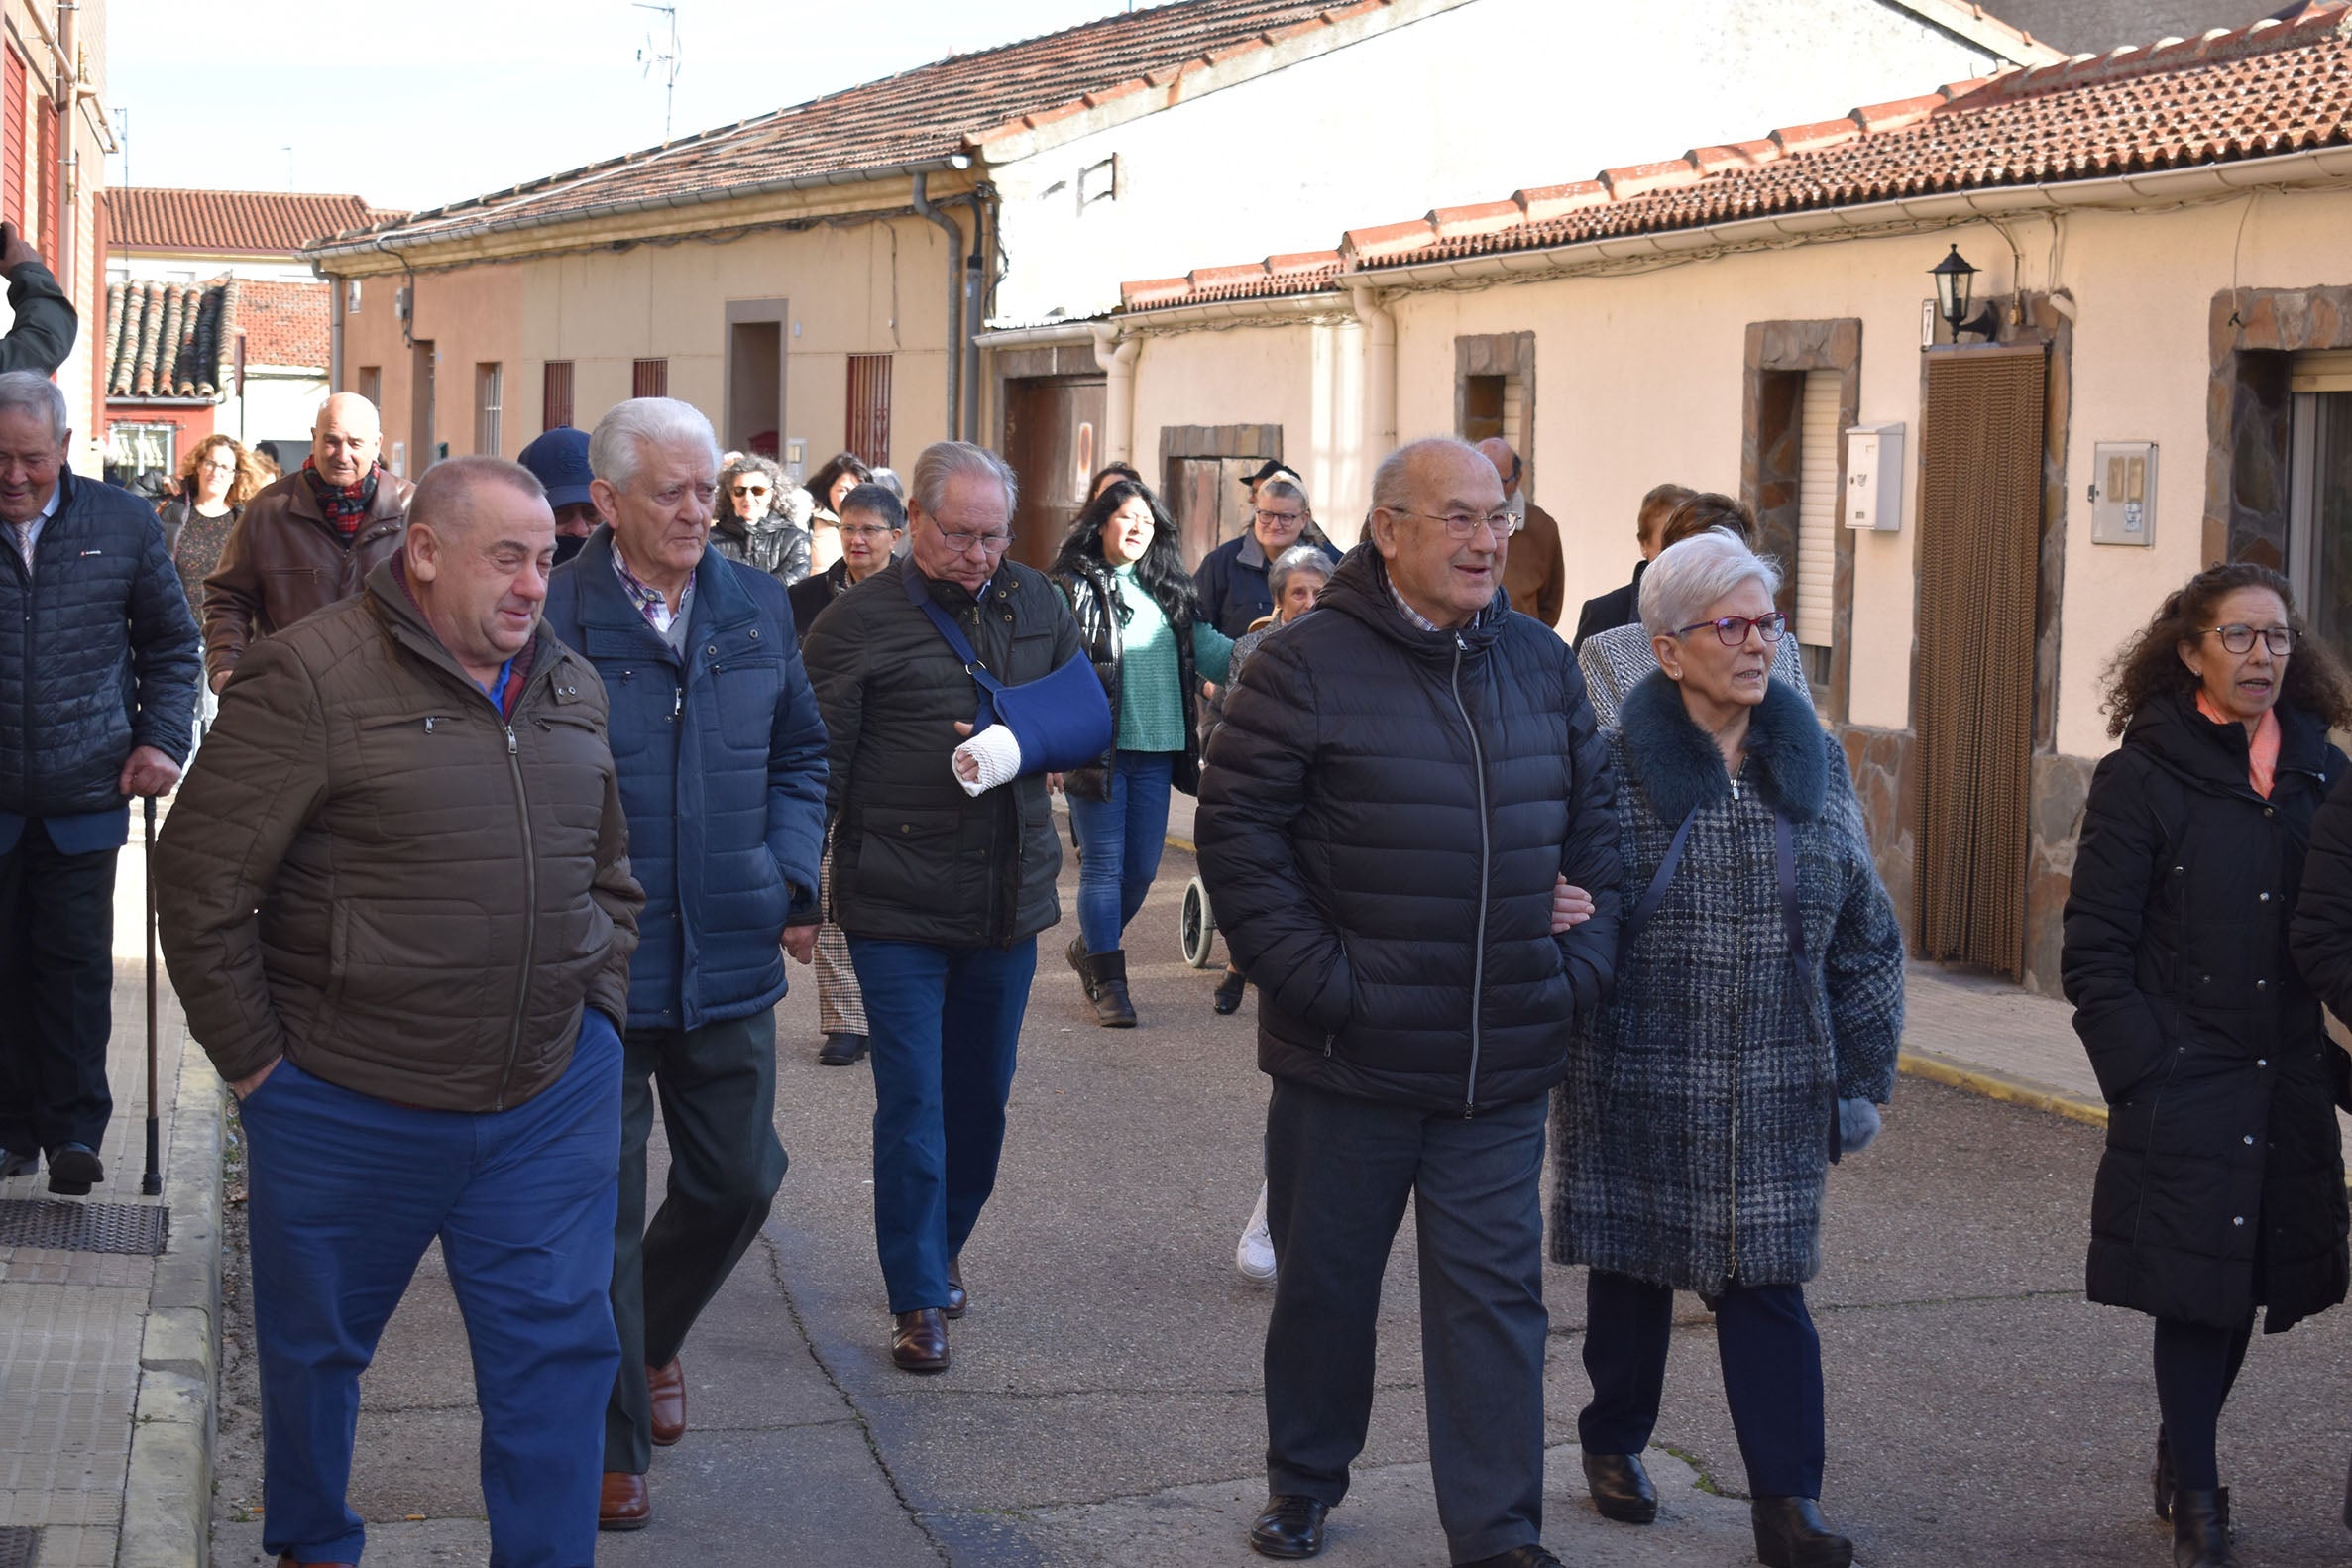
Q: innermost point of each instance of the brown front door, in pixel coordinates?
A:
(1979, 545)
(1206, 499)
(1052, 437)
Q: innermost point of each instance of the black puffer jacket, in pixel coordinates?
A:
(2221, 1131)
(1094, 600)
(1382, 818)
(915, 858)
(98, 653)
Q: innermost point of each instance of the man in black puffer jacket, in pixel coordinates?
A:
(97, 703)
(1407, 807)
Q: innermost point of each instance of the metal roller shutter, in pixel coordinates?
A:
(1817, 507)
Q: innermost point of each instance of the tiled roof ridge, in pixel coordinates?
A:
(246, 222)
(1168, 74)
(1526, 209)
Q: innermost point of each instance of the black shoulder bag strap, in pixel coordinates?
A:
(1656, 893)
(958, 643)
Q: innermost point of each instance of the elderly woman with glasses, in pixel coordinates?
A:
(2222, 1187)
(1232, 578)
(1750, 1038)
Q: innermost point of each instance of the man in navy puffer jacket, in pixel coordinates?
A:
(721, 759)
(98, 659)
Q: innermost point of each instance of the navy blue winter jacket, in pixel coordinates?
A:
(98, 653)
(722, 758)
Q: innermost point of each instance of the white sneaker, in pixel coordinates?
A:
(1254, 1256)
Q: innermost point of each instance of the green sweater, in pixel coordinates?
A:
(1151, 709)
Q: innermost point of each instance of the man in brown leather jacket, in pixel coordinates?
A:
(396, 903)
(307, 541)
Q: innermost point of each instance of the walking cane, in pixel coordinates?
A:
(152, 1182)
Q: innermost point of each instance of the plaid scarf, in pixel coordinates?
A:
(345, 505)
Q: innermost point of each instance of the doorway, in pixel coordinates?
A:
(1052, 437)
(1979, 549)
(755, 368)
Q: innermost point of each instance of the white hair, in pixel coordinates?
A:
(34, 392)
(1307, 558)
(618, 445)
(1689, 577)
(943, 460)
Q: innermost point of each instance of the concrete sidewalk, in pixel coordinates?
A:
(107, 1358)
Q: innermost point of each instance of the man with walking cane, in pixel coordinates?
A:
(97, 704)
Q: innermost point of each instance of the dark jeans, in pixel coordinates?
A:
(348, 1192)
(1338, 1172)
(944, 1027)
(57, 977)
(1119, 843)
(1772, 1361)
(717, 1088)
(2195, 1368)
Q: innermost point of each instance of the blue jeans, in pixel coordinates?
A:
(1119, 844)
(348, 1192)
(942, 1024)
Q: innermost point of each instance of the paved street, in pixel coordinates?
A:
(1104, 1405)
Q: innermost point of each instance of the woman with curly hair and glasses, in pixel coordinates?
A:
(217, 478)
(1141, 623)
(2221, 1190)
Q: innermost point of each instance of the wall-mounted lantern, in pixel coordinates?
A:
(1955, 284)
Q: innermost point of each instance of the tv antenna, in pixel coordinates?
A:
(649, 57)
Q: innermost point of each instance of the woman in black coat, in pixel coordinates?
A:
(2222, 1186)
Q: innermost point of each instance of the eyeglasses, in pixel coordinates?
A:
(751, 490)
(1280, 519)
(1463, 524)
(1731, 631)
(2240, 639)
(875, 531)
(965, 543)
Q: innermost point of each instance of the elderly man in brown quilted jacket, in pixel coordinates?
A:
(396, 903)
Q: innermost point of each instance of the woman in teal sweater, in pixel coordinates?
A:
(1139, 617)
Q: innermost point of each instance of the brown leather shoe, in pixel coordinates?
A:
(624, 1505)
(960, 1299)
(919, 1343)
(667, 1385)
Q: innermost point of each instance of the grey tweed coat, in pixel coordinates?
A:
(1693, 1128)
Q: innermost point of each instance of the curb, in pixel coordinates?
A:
(2000, 1087)
(167, 1496)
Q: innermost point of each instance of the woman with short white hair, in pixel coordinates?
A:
(1750, 1038)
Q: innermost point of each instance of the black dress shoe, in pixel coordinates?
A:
(1229, 992)
(1291, 1525)
(13, 1164)
(1517, 1557)
(2201, 1530)
(918, 1341)
(1791, 1533)
(74, 1169)
(1621, 1488)
(960, 1299)
(840, 1051)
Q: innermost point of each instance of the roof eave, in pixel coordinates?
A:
(1262, 310)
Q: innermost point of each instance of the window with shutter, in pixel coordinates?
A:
(1817, 485)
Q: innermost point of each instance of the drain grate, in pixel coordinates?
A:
(136, 1228)
(19, 1545)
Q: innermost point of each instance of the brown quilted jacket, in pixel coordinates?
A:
(284, 560)
(371, 872)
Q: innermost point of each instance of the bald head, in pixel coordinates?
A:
(344, 439)
(1438, 521)
(1497, 451)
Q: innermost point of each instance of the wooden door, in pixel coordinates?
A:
(1206, 499)
(1979, 549)
(1052, 437)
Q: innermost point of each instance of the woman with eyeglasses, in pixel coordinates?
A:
(1142, 626)
(756, 521)
(1231, 581)
(1750, 1040)
(2222, 1187)
(217, 480)
(1614, 661)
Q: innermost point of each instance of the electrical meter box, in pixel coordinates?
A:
(1874, 478)
(2123, 492)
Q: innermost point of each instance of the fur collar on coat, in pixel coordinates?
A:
(1681, 769)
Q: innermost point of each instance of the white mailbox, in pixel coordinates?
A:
(2123, 492)
(1875, 477)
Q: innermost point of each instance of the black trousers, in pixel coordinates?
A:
(1772, 1361)
(57, 979)
(2195, 1368)
(718, 1089)
(1338, 1172)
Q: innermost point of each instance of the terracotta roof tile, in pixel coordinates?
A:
(2278, 86)
(179, 340)
(254, 222)
(931, 112)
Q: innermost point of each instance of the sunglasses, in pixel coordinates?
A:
(751, 490)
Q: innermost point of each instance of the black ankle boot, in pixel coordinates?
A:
(1107, 986)
(2200, 1529)
(1791, 1533)
(1075, 952)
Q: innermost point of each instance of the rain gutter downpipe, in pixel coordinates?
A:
(1379, 371)
(956, 293)
(1115, 355)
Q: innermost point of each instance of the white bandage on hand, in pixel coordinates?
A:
(998, 755)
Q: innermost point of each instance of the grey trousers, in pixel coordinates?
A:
(717, 1088)
(1338, 1170)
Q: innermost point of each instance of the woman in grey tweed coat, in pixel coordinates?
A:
(1701, 1114)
